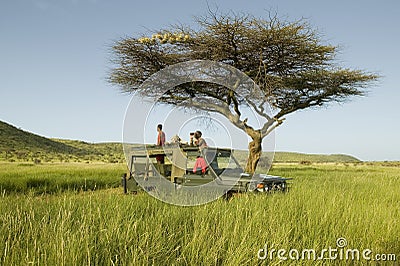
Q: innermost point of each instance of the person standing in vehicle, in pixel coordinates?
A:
(200, 142)
(160, 142)
(160, 136)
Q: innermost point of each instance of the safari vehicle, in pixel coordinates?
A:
(222, 167)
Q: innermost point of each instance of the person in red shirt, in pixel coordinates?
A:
(160, 142)
(200, 164)
(160, 136)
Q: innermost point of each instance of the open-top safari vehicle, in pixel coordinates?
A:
(178, 168)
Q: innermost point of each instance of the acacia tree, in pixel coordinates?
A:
(289, 62)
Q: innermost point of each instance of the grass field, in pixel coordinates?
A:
(50, 216)
(58, 177)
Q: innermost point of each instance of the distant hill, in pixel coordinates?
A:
(318, 158)
(19, 145)
(106, 149)
(294, 157)
(14, 139)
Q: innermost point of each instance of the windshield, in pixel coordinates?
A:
(222, 160)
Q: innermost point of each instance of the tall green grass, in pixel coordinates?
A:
(58, 177)
(106, 227)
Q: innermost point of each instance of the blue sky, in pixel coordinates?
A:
(54, 59)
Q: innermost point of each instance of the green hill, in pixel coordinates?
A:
(295, 157)
(17, 140)
(108, 151)
(19, 145)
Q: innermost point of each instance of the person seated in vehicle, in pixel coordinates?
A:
(200, 166)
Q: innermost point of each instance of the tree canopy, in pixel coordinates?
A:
(289, 62)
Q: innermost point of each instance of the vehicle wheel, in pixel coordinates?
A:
(251, 187)
(285, 187)
(228, 195)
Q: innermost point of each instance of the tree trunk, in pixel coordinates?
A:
(255, 150)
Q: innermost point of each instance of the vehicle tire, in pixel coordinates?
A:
(251, 187)
(228, 195)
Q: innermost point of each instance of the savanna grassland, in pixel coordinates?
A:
(75, 214)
